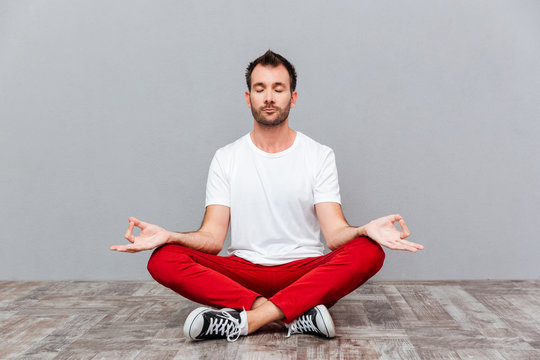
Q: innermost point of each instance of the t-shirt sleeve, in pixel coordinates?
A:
(326, 182)
(217, 185)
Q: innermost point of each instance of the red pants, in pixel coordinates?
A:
(295, 287)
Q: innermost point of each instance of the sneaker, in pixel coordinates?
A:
(205, 323)
(316, 321)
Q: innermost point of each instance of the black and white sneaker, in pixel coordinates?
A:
(316, 321)
(205, 323)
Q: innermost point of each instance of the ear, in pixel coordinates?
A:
(248, 100)
(294, 96)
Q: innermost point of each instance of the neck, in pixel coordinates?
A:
(273, 139)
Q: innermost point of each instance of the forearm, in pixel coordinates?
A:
(198, 240)
(344, 235)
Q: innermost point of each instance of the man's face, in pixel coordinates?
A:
(270, 98)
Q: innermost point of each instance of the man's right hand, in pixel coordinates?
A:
(151, 237)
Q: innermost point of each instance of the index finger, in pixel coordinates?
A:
(137, 222)
(405, 233)
(129, 232)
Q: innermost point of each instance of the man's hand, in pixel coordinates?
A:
(151, 237)
(383, 231)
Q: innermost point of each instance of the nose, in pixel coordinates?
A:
(268, 96)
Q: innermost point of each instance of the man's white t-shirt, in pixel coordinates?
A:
(272, 197)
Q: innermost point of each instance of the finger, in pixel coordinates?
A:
(404, 248)
(125, 248)
(138, 223)
(405, 230)
(415, 245)
(400, 244)
(395, 217)
(395, 245)
(129, 232)
(117, 248)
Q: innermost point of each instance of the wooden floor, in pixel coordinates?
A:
(380, 320)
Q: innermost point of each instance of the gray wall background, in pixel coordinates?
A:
(111, 109)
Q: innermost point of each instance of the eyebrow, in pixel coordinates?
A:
(274, 84)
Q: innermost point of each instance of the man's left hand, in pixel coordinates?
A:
(383, 231)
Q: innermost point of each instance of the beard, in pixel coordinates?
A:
(280, 114)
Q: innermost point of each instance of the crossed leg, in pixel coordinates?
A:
(268, 293)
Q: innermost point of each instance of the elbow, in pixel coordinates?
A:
(211, 244)
(216, 246)
(212, 250)
(216, 250)
(331, 245)
(334, 239)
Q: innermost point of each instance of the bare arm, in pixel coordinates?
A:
(337, 231)
(209, 238)
(335, 228)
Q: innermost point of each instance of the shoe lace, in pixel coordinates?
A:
(226, 325)
(302, 325)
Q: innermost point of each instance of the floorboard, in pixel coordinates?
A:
(492, 319)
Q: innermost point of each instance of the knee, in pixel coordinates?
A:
(369, 255)
(156, 262)
(379, 256)
(161, 260)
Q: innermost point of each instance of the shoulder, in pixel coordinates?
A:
(314, 147)
(233, 148)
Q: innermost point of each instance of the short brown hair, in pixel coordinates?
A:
(272, 59)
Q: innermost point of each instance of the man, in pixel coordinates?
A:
(278, 189)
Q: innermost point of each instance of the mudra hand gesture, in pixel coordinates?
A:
(151, 237)
(383, 231)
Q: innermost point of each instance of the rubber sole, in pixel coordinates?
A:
(326, 319)
(188, 325)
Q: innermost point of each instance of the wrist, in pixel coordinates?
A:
(361, 231)
(170, 237)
